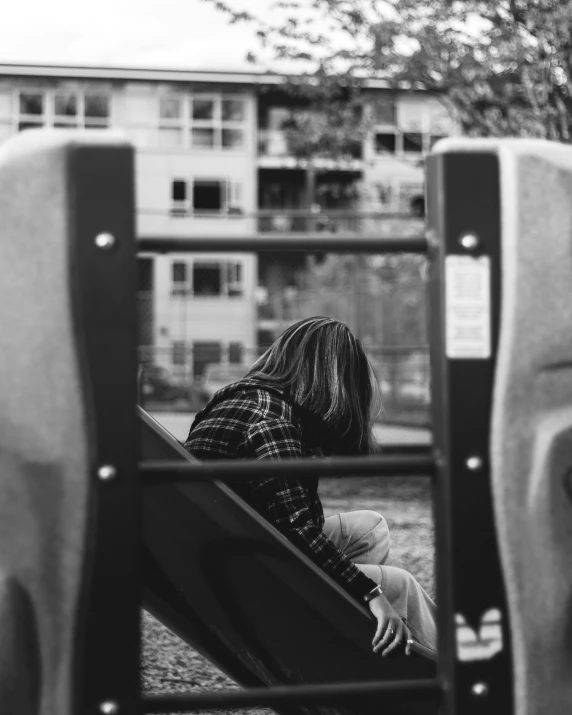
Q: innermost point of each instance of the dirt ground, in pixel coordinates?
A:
(168, 664)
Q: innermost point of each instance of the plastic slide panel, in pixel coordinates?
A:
(236, 590)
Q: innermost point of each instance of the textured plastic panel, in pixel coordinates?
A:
(531, 427)
(52, 292)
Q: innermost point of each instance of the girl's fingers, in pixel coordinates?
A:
(381, 627)
(388, 636)
(396, 639)
(408, 640)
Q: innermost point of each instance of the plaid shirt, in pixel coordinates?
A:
(249, 421)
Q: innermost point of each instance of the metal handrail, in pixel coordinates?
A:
(243, 469)
(329, 243)
(429, 689)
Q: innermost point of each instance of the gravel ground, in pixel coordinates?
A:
(169, 664)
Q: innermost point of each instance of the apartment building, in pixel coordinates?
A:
(214, 156)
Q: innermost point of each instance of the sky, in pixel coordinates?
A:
(179, 34)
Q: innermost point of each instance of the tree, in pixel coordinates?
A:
(505, 66)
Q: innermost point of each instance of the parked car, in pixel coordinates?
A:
(158, 384)
(219, 375)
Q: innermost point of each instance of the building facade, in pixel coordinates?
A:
(216, 154)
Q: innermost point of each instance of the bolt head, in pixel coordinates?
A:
(105, 241)
(109, 707)
(469, 241)
(480, 690)
(107, 472)
(474, 463)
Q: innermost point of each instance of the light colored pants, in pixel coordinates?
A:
(364, 538)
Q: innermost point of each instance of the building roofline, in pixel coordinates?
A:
(104, 72)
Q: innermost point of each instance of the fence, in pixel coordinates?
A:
(206, 324)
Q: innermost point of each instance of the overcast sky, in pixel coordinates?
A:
(186, 34)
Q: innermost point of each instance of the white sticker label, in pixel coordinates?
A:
(467, 307)
(483, 643)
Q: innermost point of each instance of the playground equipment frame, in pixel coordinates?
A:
(85, 189)
(462, 392)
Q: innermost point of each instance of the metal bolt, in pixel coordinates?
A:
(480, 690)
(474, 463)
(105, 241)
(469, 241)
(107, 472)
(109, 707)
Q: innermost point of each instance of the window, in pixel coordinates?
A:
(32, 103)
(170, 122)
(232, 138)
(385, 142)
(207, 278)
(179, 205)
(208, 196)
(232, 110)
(203, 108)
(413, 142)
(234, 279)
(203, 137)
(96, 110)
(31, 107)
(169, 108)
(66, 109)
(180, 279)
(210, 278)
(217, 122)
(202, 122)
(179, 190)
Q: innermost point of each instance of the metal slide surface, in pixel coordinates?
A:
(237, 591)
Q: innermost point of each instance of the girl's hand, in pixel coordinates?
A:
(390, 628)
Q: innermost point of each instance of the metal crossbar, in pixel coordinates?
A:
(244, 470)
(428, 689)
(302, 242)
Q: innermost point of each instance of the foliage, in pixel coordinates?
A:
(504, 65)
(324, 132)
(347, 287)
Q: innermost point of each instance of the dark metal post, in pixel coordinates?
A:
(464, 226)
(104, 277)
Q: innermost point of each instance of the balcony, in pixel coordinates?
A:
(296, 149)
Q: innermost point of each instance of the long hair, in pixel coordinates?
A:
(322, 367)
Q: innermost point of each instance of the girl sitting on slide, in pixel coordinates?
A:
(314, 393)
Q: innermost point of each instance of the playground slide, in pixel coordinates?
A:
(237, 591)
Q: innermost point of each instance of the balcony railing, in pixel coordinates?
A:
(400, 219)
(282, 143)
